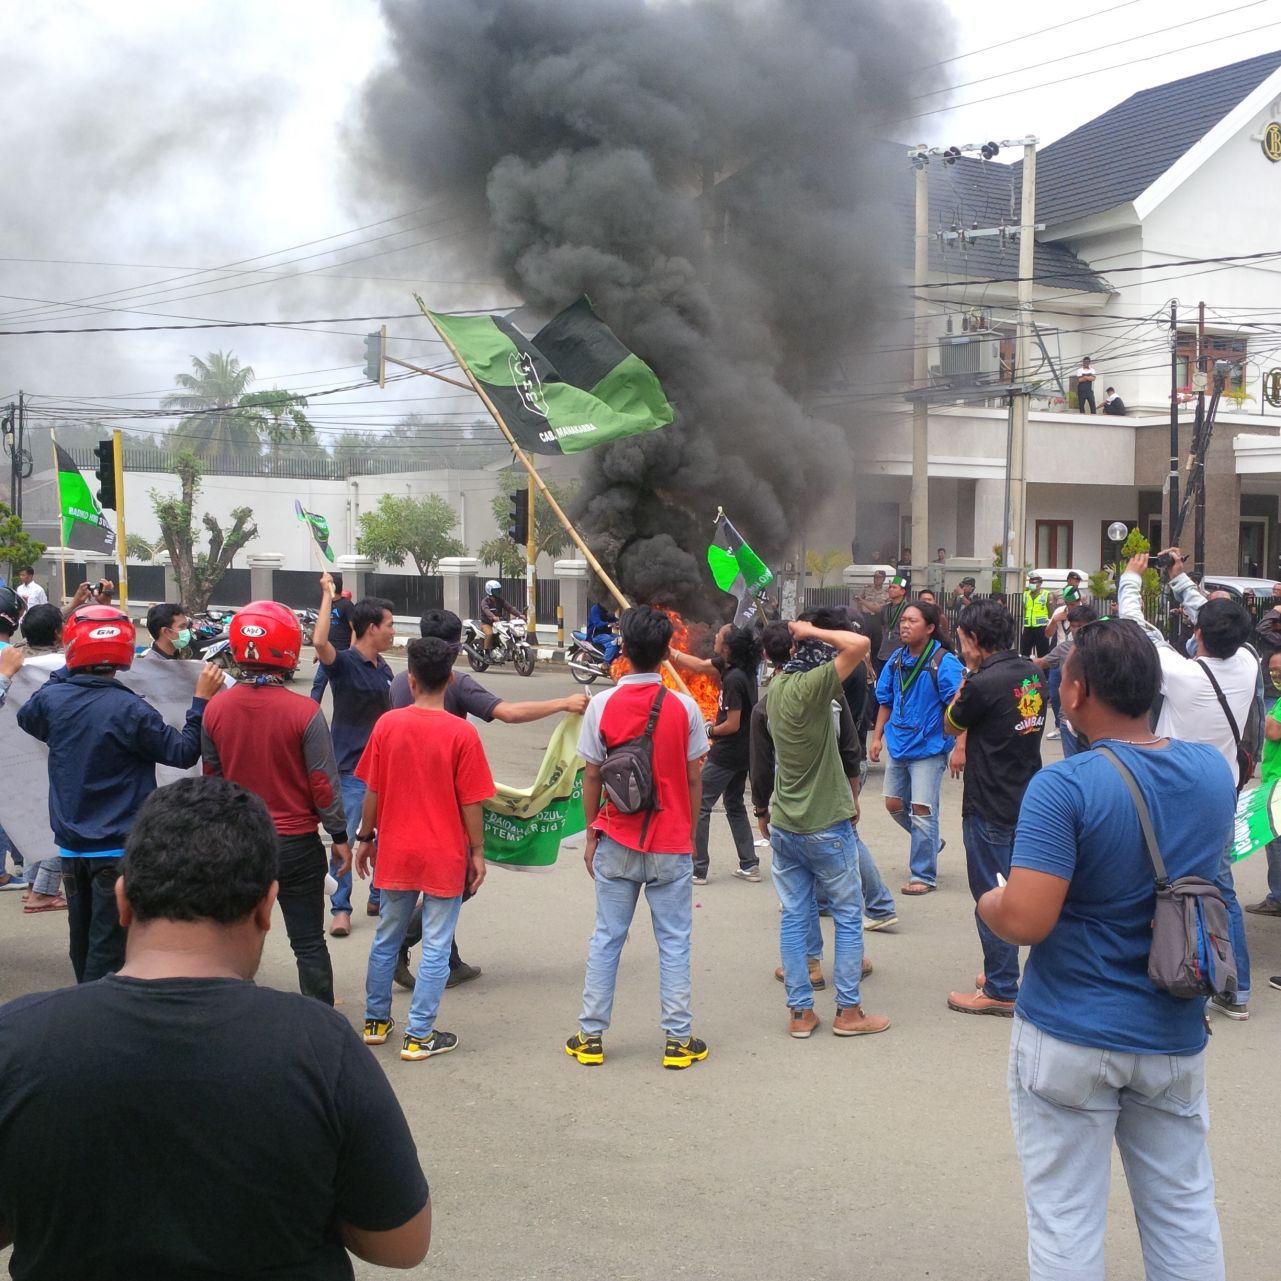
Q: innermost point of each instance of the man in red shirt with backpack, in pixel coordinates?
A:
(642, 835)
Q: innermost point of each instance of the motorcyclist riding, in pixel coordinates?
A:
(493, 608)
(600, 631)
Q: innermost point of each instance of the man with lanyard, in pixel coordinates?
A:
(997, 715)
(914, 688)
(890, 617)
(1036, 617)
(360, 682)
(464, 697)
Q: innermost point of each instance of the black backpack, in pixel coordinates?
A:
(627, 772)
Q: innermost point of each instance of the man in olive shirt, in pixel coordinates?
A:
(811, 833)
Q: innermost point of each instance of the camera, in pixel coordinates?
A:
(1163, 561)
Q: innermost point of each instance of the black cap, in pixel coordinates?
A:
(967, 582)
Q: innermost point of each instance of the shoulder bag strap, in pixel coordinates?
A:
(1223, 702)
(1145, 819)
(654, 708)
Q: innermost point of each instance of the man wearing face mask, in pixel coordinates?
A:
(170, 633)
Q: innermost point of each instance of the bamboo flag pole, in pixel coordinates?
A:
(525, 462)
(62, 524)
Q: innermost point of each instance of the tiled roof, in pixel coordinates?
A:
(1117, 156)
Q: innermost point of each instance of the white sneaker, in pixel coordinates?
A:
(1052, 735)
(748, 873)
(874, 923)
(700, 880)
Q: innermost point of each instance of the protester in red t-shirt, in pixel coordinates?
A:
(651, 848)
(426, 776)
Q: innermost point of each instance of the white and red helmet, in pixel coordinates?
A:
(98, 636)
(266, 634)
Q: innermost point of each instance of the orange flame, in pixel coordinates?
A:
(706, 690)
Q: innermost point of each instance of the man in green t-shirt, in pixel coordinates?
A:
(811, 835)
(1270, 772)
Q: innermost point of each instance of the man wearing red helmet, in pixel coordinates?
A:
(276, 744)
(104, 744)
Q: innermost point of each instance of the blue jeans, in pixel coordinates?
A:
(878, 902)
(918, 782)
(1273, 852)
(353, 797)
(988, 847)
(1068, 1104)
(439, 916)
(721, 784)
(620, 873)
(1070, 743)
(1056, 679)
(1236, 925)
(826, 863)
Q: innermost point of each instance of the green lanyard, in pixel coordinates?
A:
(905, 685)
(895, 614)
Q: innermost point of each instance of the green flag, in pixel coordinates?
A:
(84, 527)
(737, 569)
(573, 385)
(1258, 819)
(319, 529)
(524, 826)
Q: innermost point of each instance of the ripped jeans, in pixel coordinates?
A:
(917, 783)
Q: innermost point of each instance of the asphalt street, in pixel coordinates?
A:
(885, 1157)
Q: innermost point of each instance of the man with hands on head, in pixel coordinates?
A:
(360, 685)
(810, 823)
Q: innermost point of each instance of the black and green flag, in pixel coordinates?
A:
(319, 527)
(737, 569)
(83, 526)
(573, 385)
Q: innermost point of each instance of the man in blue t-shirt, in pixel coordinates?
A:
(914, 688)
(360, 685)
(1099, 1052)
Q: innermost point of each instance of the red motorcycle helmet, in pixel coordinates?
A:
(98, 636)
(266, 634)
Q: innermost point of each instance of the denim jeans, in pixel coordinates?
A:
(1055, 680)
(819, 863)
(988, 847)
(878, 902)
(439, 916)
(668, 880)
(727, 784)
(1068, 1104)
(353, 797)
(302, 904)
(97, 939)
(45, 877)
(918, 782)
(1236, 924)
(1070, 743)
(1273, 852)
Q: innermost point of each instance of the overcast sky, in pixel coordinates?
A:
(186, 162)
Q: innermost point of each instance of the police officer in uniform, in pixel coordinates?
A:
(1036, 617)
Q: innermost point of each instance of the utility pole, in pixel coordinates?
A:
(920, 372)
(1173, 507)
(1016, 533)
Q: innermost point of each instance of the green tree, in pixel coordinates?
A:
(17, 547)
(211, 395)
(549, 534)
(1135, 543)
(820, 564)
(137, 547)
(402, 526)
(198, 572)
(278, 416)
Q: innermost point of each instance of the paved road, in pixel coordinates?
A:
(887, 1158)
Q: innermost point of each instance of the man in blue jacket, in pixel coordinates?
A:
(104, 744)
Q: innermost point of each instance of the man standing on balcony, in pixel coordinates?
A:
(1085, 377)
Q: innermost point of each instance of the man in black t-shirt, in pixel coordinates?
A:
(175, 1120)
(465, 696)
(998, 715)
(736, 656)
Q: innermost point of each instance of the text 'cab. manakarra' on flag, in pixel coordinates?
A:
(571, 386)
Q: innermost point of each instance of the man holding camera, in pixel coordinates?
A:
(1204, 699)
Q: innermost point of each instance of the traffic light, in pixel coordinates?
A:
(375, 364)
(106, 452)
(518, 516)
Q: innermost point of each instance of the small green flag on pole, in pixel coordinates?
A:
(737, 569)
(571, 386)
(319, 529)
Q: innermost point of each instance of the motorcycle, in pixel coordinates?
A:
(509, 644)
(586, 660)
(307, 621)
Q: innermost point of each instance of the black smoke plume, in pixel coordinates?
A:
(706, 172)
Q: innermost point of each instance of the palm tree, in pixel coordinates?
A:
(217, 428)
(278, 415)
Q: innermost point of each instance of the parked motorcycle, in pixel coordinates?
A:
(510, 645)
(307, 621)
(586, 660)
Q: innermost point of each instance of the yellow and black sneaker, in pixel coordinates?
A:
(378, 1030)
(423, 1047)
(588, 1050)
(680, 1054)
